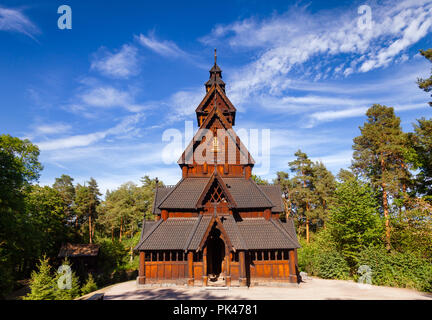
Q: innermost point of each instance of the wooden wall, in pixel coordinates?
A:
(160, 271)
(280, 268)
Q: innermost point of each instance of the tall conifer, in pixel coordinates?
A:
(379, 156)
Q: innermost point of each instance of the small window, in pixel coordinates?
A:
(180, 256)
(174, 256)
(278, 255)
(259, 255)
(153, 256)
(147, 256)
(285, 255)
(272, 255)
(197, 256)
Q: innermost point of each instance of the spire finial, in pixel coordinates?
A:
(215, 56)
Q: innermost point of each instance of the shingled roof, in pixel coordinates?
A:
(79, 250)
(160, 193)
(246, 194)
(274, 193)
(247, 234)
(184, 195)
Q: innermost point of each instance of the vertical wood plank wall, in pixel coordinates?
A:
(178, 271)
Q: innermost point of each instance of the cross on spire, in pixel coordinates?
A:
(215, 75)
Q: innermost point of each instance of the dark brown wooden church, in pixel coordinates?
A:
(216, 226)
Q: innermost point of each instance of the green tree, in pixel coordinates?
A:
(64, 185)
(426, 84)
(62, 292)
(123, 209)
(325, 186)
(19, 167)
(354, 221)
(44, 223)
(345, 175)
(303, 195)
(259, 180)
(148, 187)
(42, 283)
(422, 142)
(89, 286)
(379, 156)
(286, 186)
(87, 199)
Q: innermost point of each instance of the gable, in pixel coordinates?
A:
(215, 191)
(214, 121)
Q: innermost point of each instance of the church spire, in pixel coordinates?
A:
(215, 57)
(215, 75)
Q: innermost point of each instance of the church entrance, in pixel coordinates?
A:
(215, 255)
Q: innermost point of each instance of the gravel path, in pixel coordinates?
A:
(311, 289)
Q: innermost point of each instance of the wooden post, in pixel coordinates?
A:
(227, 268)
(205, 277)
(242, 262)
(292, 266)
(248, 172)
(267, 214)
(141, 272)
(164, 214)
(190, 269)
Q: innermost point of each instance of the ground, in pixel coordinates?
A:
(311, 289)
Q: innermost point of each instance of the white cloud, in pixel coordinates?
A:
(126, 126)
(122, 64)
(109, 97)
(55, 128)
(287, 41)
(163, 47)
(14, 20)
(336, 160)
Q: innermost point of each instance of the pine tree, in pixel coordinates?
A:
(426, 84)
(325, 186)
(64, 185)
(67, 294)
(89, 286)
(379, 156)
(422, 141)
(42, 283)
(87, 200)
(303, 191)
(286, 186)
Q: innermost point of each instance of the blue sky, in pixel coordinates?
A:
(98, 98)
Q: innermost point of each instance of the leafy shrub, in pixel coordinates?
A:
(397, 269)
(332, 265)
(320, 258)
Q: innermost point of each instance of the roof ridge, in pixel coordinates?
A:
(188, 241)
(238, 233)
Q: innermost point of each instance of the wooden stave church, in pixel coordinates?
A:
(216, 225)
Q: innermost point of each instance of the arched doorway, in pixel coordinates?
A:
(215, 254)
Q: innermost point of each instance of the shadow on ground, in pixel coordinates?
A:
(167, 294)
